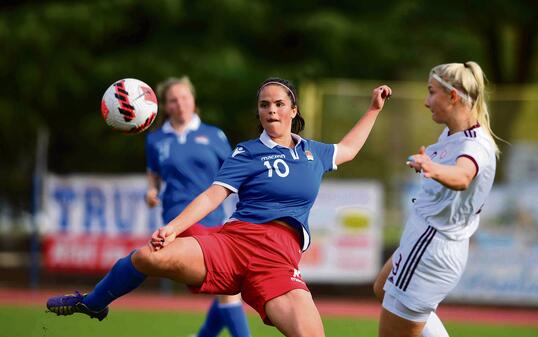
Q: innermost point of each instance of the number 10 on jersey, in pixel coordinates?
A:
(279, 166)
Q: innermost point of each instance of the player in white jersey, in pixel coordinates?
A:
(457, 174)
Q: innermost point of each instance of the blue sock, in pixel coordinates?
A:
(213, 322)
(235, 319)
(121, 279)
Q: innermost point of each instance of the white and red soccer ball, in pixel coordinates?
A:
(129, 105)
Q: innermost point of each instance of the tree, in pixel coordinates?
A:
(59, 57)
(507, 34)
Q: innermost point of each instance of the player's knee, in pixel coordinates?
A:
(163, 263)
(302, 328)
(144, 261)
(307, 330)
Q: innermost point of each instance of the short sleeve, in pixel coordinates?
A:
(235, 169)
(152, 158)
(475, 152)
(326, 153)
(222, 148)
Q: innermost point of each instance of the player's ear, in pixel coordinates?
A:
(453, 96)
(294, 112)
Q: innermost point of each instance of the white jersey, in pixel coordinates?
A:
(456, 213)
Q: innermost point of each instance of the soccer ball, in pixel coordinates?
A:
(129, 105)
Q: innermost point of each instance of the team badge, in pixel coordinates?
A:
(309, 155)
(201, 140)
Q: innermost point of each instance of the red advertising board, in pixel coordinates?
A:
(94, 253)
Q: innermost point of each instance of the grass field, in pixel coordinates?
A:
(35, 322)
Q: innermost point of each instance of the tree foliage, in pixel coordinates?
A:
(59, 57)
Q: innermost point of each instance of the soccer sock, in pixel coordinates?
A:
(434, 327)
(213, 322)
(121, 279)
(235, 319)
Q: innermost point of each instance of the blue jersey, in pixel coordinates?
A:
(187, 164)
(274, 182)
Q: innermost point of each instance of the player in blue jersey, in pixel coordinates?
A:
(277, 177)
(184, 156)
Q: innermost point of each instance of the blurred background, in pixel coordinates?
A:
(71, 193)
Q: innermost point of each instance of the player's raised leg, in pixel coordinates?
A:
(182, 261)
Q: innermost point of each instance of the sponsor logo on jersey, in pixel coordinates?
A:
(201, 140)
(309, 155)
(238, 150)
(273, 156)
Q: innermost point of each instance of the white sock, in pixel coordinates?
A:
(434, 327)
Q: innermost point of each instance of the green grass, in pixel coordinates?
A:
(34, 322)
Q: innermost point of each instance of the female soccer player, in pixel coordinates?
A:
(457, 173)
(277, 177)
(186, 155)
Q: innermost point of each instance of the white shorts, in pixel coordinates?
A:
(425, 267)
(396, 307)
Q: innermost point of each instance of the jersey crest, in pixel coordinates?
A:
(201, 139)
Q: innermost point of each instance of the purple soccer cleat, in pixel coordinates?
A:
(71, 303)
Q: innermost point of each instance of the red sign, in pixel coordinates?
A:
(87, 253)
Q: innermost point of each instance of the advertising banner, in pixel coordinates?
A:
(346, 223)
(91, 221)
(503, 255)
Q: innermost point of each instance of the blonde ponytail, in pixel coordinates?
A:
(469, 78)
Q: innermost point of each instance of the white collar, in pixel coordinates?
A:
(193, 125)
(267, 141)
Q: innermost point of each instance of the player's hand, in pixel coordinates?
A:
(152, 197)
(379, 96)
(421, 162)
(162, 237)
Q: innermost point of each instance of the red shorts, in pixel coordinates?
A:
(260, 261)
(198, 229)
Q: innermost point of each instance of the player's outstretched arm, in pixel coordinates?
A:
(201, 206)
(456, 177)
(353, 141)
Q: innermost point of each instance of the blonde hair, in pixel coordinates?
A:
(469, 79)
(162, 90)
